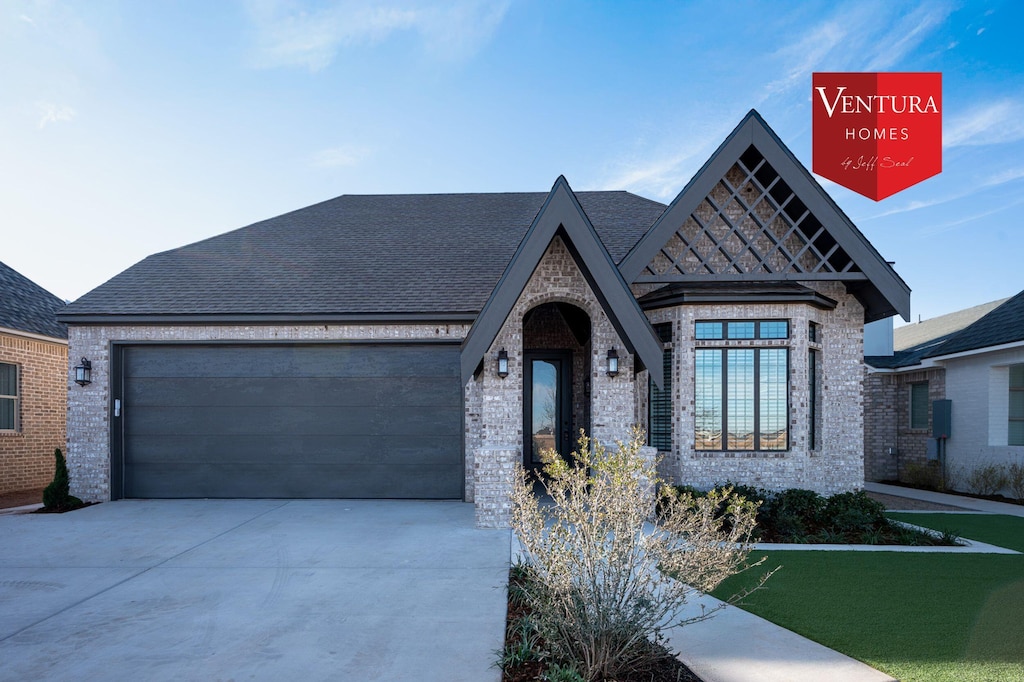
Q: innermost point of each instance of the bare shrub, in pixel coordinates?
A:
(1015, 480)
(987, 479)
(603, 585)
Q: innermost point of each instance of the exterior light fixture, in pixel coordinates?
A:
(503, 363)
(83, 373)
(613, 362)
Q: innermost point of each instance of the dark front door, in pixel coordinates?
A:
(547, 403)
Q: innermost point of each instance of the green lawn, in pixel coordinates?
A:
(919, 617)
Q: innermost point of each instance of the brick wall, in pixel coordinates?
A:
(887, 423)
(837, 463)
(88, 407)
(26, 457)
(557, 278)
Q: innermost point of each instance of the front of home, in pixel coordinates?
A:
(949, 400)
(422, 346)
(33, 382)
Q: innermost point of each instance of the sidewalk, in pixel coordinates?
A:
(968, 503)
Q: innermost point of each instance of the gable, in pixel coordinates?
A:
(754, 213)
(562, 215)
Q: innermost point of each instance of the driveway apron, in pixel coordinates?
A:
(252, 590)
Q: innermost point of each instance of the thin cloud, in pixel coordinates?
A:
(288, 35)
(339, 157)
(991, 123)
(952, 225)
(53, 113)
(994, 180)
(860, 37)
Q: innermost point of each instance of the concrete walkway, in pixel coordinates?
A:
(253, 590)
(969, 503)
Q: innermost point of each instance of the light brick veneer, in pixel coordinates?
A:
(557, 278)
(26, 456)
(838, 463)
(88, 407)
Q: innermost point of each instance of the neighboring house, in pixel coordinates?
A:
(973, 358)
(33, 382)
(422, 345)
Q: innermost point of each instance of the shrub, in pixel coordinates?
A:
(987, 479)
(853, 514)
(1015, 480)
(57, 496)
(604, 587)
(794, 514)
(925, 476)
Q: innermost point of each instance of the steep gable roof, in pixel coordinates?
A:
(25, 306)
(1003, 325)
(563, 214)
(941, 326)
(432, 256)
(754, 213)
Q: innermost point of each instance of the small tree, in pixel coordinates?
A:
(57, 496)
(604, 586)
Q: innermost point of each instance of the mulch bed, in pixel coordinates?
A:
(21, 498)
(664, 668)
(910, 504)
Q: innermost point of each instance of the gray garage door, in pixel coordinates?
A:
(295, 421)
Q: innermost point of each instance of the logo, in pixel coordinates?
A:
(877, 133)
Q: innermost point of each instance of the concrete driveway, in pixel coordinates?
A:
(252, 590)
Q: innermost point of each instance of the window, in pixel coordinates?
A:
(813, 365)
(659, 422)
(754, 329)
(919, 405)
(1015, 435)
(813, 332)
(742, 398)
(8, 397)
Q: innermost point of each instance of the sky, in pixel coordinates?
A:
(128, 128)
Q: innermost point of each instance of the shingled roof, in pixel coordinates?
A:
(1003, 325)
(981, 326)
(434, 255)
(25, 306)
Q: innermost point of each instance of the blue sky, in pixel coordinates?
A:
(128, 128)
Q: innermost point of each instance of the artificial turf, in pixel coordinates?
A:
(918, 617)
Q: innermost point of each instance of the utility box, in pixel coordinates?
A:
(942, 419)
(931, 449)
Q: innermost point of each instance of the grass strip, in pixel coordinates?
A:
(996, 529)
(918, 617)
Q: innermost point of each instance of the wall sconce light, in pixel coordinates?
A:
(613, 362)
(83, 373)
(502, 363)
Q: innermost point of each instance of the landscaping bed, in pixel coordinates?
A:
(524, 660)
(797, 516)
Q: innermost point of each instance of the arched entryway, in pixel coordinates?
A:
(556, 381)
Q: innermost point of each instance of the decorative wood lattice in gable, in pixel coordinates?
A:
(751, 223)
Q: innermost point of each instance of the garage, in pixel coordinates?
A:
(319, 420)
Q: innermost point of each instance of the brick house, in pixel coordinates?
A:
(974, 359)
(33, 382)
(423, 345)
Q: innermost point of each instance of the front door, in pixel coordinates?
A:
(547, 403)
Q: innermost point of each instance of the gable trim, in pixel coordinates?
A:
(885, 293)
(561, 214)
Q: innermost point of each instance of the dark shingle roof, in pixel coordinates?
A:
(941, 327)
(26, 306)
(1005, 324)
(1002, 322)
(357, 254)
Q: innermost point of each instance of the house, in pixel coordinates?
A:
(972, 362)
(421, 346)
(33, 382)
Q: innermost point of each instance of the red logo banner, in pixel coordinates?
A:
(877, 133)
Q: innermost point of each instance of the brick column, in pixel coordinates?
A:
(494, 469)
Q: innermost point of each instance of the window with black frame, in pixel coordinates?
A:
(8, 397)
(741, 395)
(659, 418)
